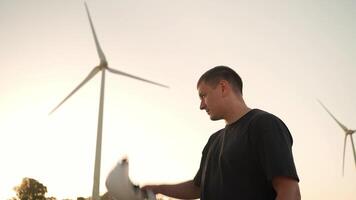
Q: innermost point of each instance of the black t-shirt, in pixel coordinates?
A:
(244, 157)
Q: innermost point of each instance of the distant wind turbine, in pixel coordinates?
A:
(101, 67)
(348, 132)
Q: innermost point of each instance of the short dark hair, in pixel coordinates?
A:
(214, 75)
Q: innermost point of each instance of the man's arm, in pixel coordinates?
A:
(185, 190)
(286, 188)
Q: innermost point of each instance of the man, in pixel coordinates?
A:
(251, 158)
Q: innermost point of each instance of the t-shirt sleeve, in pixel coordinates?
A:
(274, 147)
(198, 175)
(197, 178)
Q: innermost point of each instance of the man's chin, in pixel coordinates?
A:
(214, 118)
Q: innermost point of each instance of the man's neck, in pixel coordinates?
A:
(236, 114)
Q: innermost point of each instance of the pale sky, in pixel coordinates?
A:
(288, 53)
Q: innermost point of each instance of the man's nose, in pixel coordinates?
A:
(202, 105)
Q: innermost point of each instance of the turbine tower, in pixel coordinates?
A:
(103, 66)
(348, 132)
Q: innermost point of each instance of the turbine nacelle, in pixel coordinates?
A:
(350, 132)
(103, 64)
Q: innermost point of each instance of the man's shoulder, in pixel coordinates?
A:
(214, 135)
(261, 115)
(263, 120)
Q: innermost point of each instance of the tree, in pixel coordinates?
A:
(30, 189)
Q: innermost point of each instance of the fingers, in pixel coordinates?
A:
(152, 188)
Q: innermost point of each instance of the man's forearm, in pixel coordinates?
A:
(185, 190)
(286, 188)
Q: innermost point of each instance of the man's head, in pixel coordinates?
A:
(214, 75)
(216, 89)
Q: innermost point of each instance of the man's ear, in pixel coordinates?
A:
(225, 88)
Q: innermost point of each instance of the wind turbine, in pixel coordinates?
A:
(348, 132)
(103, 66)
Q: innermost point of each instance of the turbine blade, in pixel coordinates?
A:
(343, 156)
(353, 148)
(90, 75)
(337, 121)
(135, 77)
(98, 48)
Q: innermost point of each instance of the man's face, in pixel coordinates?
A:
(210, 100)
